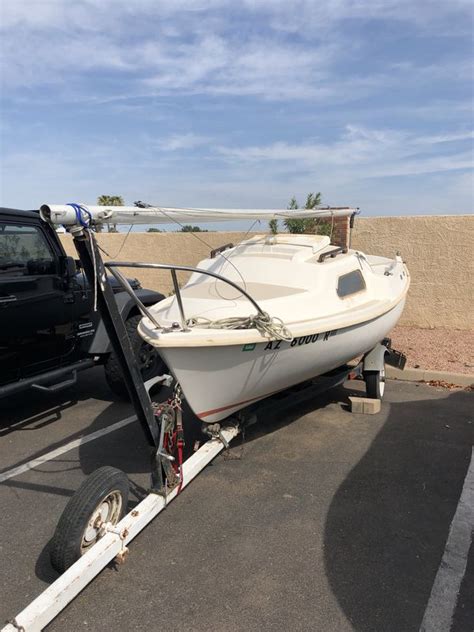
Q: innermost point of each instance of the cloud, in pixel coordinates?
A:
(281, 13)
(445, 138)
(381, 170)
(360, 152)
(271, 49)
(216, 66)
(427, 16)
(178, 142)
(254, 95)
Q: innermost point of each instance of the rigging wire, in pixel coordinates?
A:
(121, 247)
(203, 241)
(257, 221)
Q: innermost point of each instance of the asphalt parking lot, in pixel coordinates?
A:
(320, 520)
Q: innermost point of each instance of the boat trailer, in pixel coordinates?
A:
(107, 534)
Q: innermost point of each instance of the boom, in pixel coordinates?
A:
(81, 214)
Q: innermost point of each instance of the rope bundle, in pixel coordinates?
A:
(270, 326)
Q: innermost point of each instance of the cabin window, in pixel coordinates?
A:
(350, 283)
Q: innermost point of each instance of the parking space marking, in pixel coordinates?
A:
(21, 469)
(444, 593)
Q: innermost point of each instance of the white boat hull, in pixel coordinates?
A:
(220, 380)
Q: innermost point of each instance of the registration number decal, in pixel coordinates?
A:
(274, 345)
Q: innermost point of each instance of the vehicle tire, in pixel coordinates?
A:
(101, 498)
(375, 383)
(148, 357)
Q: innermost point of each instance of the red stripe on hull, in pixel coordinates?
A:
(213, 411)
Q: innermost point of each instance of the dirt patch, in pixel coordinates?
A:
(436, 349)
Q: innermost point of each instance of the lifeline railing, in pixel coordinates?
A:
(111, 265)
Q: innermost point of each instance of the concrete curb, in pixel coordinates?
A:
(420, 375)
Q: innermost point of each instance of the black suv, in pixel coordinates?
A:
(48, 329)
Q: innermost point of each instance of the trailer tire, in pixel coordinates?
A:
(101, 498)
(375, 384)
(149, 360)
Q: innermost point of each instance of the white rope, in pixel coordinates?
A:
(94, 265)
(267, 325)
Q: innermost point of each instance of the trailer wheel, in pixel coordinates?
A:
(375, 383)
(102, 498)
(149, 360)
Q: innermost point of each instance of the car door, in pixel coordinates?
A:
(35, 327)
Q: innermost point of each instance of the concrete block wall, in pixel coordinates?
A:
(178, 248)
(439, 253)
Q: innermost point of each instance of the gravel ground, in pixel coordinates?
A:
(436, 349)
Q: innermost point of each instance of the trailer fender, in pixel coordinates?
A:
(374, 359)
(101, 344)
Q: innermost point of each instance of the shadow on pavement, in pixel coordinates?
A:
(388, 522)
(127, 449)
(32, 411)
(45, 411)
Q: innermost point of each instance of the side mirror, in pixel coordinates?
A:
(69, 268)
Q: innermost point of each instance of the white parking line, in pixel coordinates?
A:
(16, 471)
(444, 594)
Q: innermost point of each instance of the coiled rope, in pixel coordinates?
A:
(270, 326)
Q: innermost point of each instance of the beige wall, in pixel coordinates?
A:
(177, 248)
(439, 252)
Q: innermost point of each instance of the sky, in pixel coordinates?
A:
(228, 103)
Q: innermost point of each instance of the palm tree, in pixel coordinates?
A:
(273, 226)
(310, 225)
(110, 200)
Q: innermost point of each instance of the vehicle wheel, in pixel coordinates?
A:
(375, 383)
(148, 357)
(101, 498)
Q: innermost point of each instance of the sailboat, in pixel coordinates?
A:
(263, 315)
